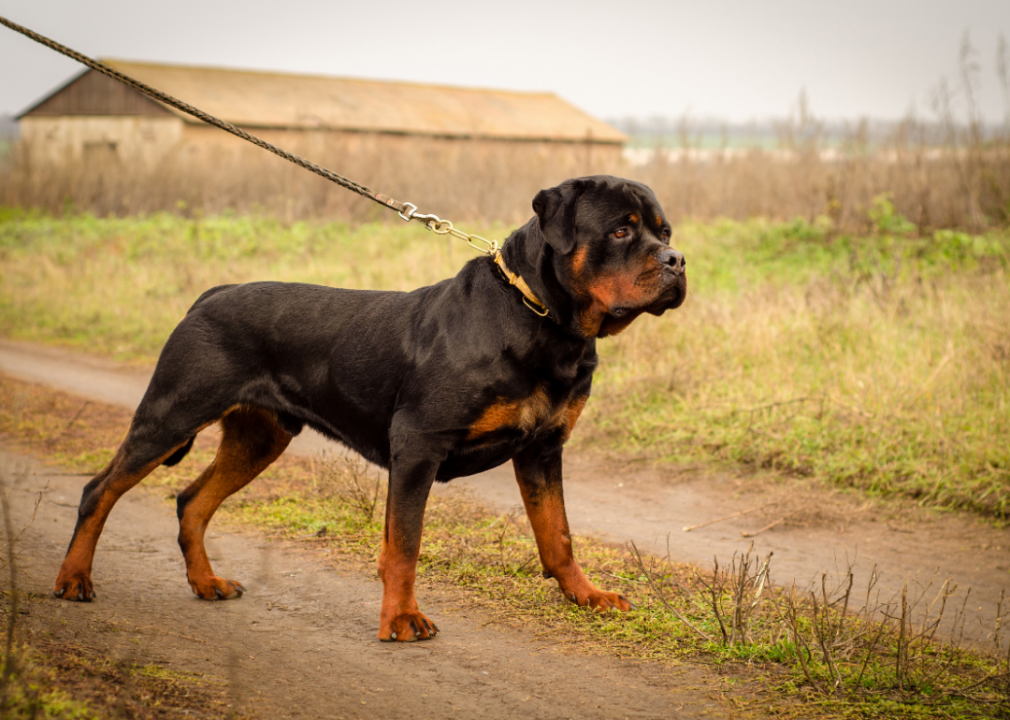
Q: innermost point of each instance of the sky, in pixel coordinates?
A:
(731, 60)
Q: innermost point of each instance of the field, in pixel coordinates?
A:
(876, 360)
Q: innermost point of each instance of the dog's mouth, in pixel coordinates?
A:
(671, 295)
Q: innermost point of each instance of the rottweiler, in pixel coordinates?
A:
(442, 382)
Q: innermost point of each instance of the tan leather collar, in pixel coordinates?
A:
(515, 279)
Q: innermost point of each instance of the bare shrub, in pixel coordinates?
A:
(733, 594)
(350, 480)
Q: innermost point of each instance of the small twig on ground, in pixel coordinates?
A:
(56, 438)
(8, 671)
(35, 511)
(662, 598)
(689, 528)
(766, 527)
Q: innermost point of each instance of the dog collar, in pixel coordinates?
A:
(529, 297)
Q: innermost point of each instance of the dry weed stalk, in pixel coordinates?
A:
(650, 576)
(741, 588)
(350, 479)
(8, 672)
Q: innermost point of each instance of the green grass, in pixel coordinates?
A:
(878, 361)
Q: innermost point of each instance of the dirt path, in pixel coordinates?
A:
(820, 530)
(301, 642)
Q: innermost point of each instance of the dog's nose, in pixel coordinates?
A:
(673, 259)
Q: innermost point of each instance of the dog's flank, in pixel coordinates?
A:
(442, 382)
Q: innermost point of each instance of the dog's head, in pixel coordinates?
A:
(612, 253)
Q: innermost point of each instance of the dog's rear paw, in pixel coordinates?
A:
(74, 587)
(213, 587)
(407, 627)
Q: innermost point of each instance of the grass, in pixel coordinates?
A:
(806, 651)
(877, 361)
(60, 681)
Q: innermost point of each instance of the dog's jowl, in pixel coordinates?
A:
(492, 365)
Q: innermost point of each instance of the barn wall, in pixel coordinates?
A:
(134, 141)
(204, 142)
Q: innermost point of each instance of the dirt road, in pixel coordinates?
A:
(817, 531)
(301, 643)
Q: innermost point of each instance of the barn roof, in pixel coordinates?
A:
(277, 100)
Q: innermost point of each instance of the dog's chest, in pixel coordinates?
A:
(536, 414)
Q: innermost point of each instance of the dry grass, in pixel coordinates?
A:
(936, 178)
(462, 180)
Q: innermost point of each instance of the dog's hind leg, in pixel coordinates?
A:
(134, 461)
(250, 441)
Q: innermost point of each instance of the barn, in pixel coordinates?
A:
(398, 137)
(93, 115)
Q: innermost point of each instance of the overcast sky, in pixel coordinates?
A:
(734, 60)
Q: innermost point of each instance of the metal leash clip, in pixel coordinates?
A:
(444, 227)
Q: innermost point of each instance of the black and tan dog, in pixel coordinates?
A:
(442, 382)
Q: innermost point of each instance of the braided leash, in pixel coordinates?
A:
(407, 211)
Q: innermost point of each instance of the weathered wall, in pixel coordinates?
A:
(137, 141)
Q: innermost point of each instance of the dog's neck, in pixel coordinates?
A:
(528, 255)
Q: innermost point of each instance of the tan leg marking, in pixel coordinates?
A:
(545, 507)
(251, 439)
(73, 582)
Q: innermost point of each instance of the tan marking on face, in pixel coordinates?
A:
(578, 262)
(659, 221)
(606, 293)
(633, 219)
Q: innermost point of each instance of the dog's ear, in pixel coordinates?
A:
(555, 209)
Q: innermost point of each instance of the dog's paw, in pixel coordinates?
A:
(76, 586)
(601, 600)
(213, 587)
(407, 627)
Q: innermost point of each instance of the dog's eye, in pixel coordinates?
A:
(620, 233)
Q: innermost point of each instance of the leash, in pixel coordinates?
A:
(406, 210)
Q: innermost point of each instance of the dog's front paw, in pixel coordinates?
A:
(74, 586)
(600, 600)
(213, 587)
(407, 627)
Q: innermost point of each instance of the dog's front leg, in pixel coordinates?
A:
(538, 471)
(409, 484)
